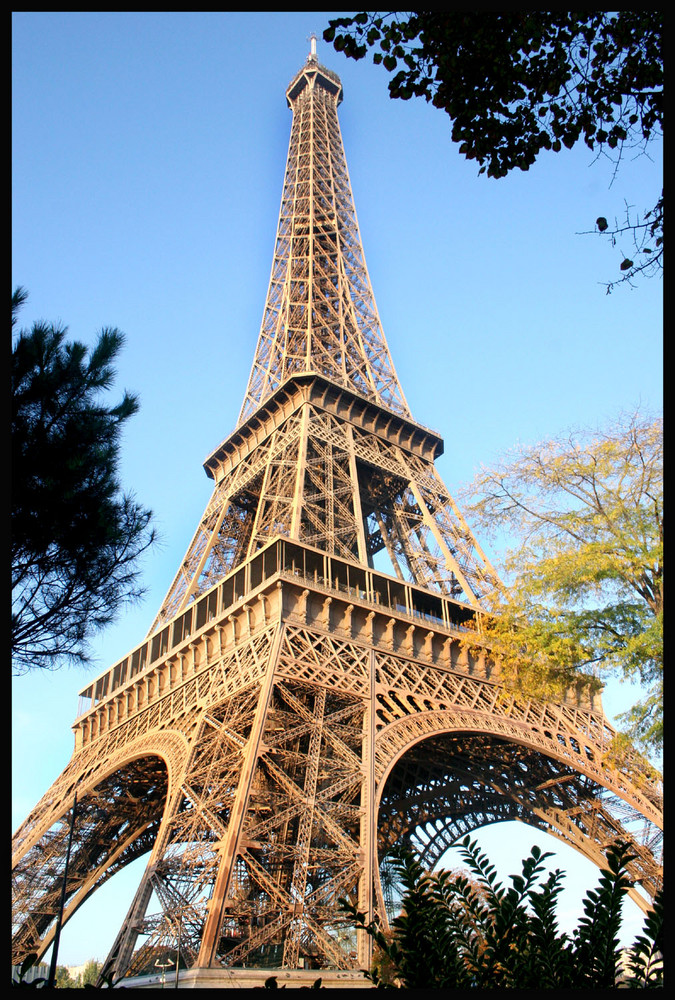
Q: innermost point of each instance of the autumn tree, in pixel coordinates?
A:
(584, 594)
(76, 537)
(518, 83)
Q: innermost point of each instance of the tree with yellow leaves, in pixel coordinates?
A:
(584, 517)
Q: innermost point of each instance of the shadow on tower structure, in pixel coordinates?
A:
(313, 689)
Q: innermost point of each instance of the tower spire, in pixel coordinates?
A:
(320, 313)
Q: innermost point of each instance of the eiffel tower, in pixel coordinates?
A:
(314, 688)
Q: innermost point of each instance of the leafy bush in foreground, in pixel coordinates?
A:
(459, 931)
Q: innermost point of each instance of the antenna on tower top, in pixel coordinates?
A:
(312, 47)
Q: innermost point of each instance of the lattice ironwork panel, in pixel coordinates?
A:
(320, 313)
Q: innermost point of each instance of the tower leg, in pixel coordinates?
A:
(231, 841)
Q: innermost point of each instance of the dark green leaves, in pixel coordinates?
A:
(469, 931)
(75, 535)
(512, 65)
(516, 83)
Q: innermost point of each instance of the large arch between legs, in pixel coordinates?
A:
(118, 813)
(445, 778)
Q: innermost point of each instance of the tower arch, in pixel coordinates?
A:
(455, 775)
(111, 819)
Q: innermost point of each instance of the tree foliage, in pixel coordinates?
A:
(75, 536)
(470, 931)
(90, 973)
(518, 83)
(585, 573)
(63, 980)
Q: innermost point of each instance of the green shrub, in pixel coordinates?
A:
(457, 930)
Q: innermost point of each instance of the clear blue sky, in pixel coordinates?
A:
(148, 158)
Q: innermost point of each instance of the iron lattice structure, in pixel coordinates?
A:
(296, 711)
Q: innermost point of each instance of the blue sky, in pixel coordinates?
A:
(148, 159)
